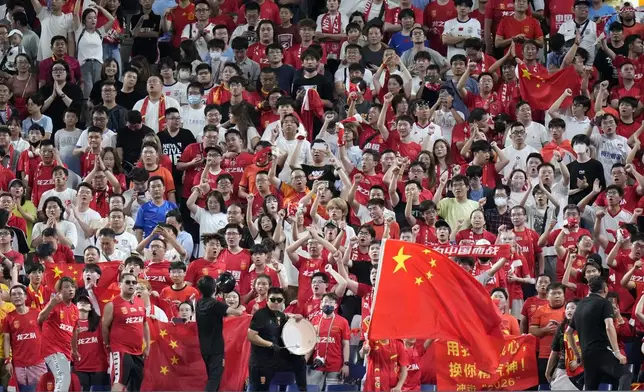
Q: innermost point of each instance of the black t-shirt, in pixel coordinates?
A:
(589, 323)
(173, 146)
(322, 85)
(146, 46)
(320, 173)
(210, 325)
(370, 57)
(128, 100)
(95, 94)
(268, 324)
(58, 107)
(131, 141)
(591, 170)
(604, 64)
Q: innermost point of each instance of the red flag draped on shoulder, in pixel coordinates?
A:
(175, 362)
(311, 106)
(423, 294)
(540, 90)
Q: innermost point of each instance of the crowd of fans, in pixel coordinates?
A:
(283, 141)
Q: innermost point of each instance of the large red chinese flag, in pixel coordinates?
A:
(422, 294)
(540, 90)
(55, 271)
(175, 362)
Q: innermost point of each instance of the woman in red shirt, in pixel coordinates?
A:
(88, 352)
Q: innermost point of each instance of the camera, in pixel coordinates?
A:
(318, 362)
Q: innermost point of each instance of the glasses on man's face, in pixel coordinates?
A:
(4, 233)
(609, 193)
(130, 282)
(516, 215)
(276, 300)
(58, 70)
(174, 118)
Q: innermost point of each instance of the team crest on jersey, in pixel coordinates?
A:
(526, 29)
(124, 310)
(244, 266)
(204, 271)
(433, 13)
(62, 315)
(16, 324)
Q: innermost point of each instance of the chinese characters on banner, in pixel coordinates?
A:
(493, 251)
(456, 369)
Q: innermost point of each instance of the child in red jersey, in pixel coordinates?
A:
(88, 352)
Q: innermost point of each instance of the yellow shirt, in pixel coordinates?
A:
(453, 211)
(5, 308)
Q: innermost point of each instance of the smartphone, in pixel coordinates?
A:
(178, 320)
(251, 28)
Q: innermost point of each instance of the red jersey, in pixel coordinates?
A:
(25, 162)
(509, 95)
(371, 139)
(427, 234)
(311, 308)
(541, 318)
(492, 104)
(528, 242)
(87, 162)
(249, 279)
(468, 237)
(391, 15)
(307, 267)
(569, 240)
(414, 354)
(192, 151)
(41, 179)
(267, 10)
(91, 350)
(15, 257)
(619, 91)
(383, 364)
(368, 181)
(490, 175)
(180, 18)
(158, 274)
(6, 176)
(332, 331)
(497, 10)
(409, 150)
(366, 292)
(257, 53)
(499, 279)
(235, 166)
(126, 333)
(624, 264)
(293, 55)
(101, 202)
(25, 335)
(237, 264)
(260, 305)
(58, 330)
(484, 64)
(199, 268)
(63, 254)
(519, 267)
(531, 305)
(435, 16)
(510, 27)
(560, 12)
(17, 222)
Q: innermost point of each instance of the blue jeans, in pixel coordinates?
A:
(114, 51)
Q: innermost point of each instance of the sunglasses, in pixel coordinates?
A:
(130, 282)
(278, 300)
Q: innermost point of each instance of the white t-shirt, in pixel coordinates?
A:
(118, 254)
(178, 91)
(342, 74)
(536, 136)
(447, 122)
(193, 120)
(456, 28)
(90, 45)
(152, 115)
(109, 139)
(517, 158)
(191, 31)
(289, 146)
(344, 21)
(569, 30)
(126, 242)
(68, 196)
(209, 223)
(84, 241)
(418, 133)
(610, 150)
(51, 26)
(63, 228)
(268, 131)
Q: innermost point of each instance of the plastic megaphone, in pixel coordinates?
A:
(225, 283)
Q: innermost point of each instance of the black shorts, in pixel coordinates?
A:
(126, 369)
(94, 380)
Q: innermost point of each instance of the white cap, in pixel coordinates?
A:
(15, 31)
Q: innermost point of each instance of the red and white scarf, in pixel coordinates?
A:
(144, 111)
(335, 27)
(367, 9)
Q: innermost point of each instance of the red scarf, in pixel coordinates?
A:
(332, 47)
(144, 111)
(367, 9)
(37, 299)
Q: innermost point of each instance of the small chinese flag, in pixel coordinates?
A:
(422, 294)
(540, 90)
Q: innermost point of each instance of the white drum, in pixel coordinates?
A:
(299, 336)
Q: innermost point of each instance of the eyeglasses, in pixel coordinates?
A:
(202, 9)
(58, 70)
(276, 300)
(130, 282)
(174, 118)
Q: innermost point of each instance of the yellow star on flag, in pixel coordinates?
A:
(432, 262)
(57, 272)
(75, 272)
(526, 74)
(429, 275)
(400, 259)
(174, 360)
(164, 370)
(419, 281)
(538, 85)
(163, 333)
(173, 344)
(427, 251)
(70, 268)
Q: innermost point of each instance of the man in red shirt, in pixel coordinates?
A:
(527, 239)
(37, 292)
(236, 259)
(268, 10)
(331, 354)
(319, 287)
(545, 322)
(518, 28)
(435, 15)
(177, 18)
(58, 320)
(24, 338)
(531, 304)
(62, 253)
(376, 209)
(210, 264)
(235, 159)
(41, 176)
(125, 333)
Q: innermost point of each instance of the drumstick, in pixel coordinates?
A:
(294, 346)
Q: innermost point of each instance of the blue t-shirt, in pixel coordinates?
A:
(150, 215)
(400, 43)
(605, 9)
(45, 122)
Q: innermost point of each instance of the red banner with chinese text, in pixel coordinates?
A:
(456, 369)
(492, 251)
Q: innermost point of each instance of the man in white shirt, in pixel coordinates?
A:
(581, 24)
(107, 245)
(193, 115)
(537, 135)
(61, 191)
(577, 121)
(201, 31)
(517, 152)
(99, 119)
(353, 55)
(81, 215)
(53, 23)
(611, 148)
(457, 30)
(248, 30)
(153, 106)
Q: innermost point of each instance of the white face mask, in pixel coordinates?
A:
(184, 75)
(215, 55)
(500, 201)
(579, 148)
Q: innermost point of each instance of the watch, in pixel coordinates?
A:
(346, 363)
